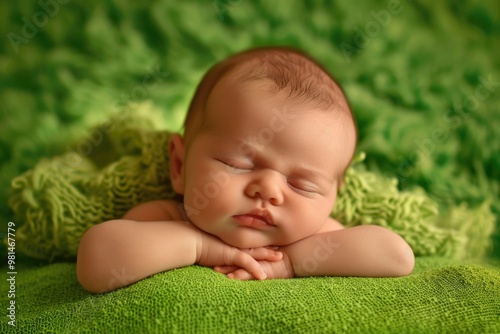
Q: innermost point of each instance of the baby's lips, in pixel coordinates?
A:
(263, 214)
(253, 221)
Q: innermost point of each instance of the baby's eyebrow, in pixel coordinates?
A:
(245, 147)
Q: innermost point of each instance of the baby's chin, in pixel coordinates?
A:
(249, 243)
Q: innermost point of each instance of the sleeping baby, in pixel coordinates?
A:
(267, 139)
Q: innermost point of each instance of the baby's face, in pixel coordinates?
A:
(263, 170)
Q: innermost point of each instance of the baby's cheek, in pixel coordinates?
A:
(310, 223)
(194, 204)
(206, 206)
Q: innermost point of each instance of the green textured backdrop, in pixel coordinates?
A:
(423, 77)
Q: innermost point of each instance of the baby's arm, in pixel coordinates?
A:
(117, 253)
(358, 251)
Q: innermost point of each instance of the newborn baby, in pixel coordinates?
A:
(267, 139)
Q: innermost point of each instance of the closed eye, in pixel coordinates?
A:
(303, 187)
(236, 165)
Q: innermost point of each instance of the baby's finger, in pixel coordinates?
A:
(247, 262)
(234, 272)
(264, 254)
(225, 269)
(241, 274)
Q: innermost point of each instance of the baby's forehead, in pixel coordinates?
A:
(280, 71)
(245, 116)
(244, 82)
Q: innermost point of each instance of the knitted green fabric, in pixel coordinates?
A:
(442, 296)
(371, 198)
(64, 196)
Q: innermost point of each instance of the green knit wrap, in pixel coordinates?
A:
(127, 164)
(60, 198)
(456, 232)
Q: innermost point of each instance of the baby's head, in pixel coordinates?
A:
(268, 137)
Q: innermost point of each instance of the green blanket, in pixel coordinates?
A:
(451, 298)
(422, 78)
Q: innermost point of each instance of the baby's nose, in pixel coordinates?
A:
(267, 186)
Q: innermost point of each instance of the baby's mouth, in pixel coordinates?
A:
(256, 219)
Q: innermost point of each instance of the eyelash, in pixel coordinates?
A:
(234, 165)
(303, 188)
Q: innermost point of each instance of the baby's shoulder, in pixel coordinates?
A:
(158, 210)
(331, 225)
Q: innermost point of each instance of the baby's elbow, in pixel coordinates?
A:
(91, 259)
(396, 255)
(404, 260)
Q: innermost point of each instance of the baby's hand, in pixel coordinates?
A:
(274, 269)
(211, 252)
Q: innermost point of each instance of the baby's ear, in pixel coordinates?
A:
(176, 151)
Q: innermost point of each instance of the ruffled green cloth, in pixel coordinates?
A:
(456, 231)
(60, 198)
